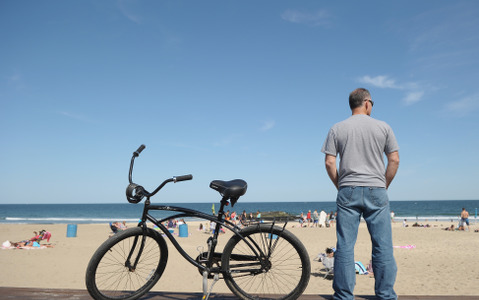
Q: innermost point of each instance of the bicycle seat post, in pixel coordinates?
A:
(212, 241)
(224, 201)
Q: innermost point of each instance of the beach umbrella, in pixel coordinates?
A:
(213, 208)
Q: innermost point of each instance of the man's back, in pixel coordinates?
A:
(361, 142)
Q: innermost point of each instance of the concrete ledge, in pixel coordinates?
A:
(48, 294)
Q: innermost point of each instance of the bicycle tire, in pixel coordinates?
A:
(284, 275)
(108, 277)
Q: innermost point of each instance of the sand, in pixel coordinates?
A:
(442, 262)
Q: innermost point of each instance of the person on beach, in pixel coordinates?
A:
(34, 241)
(122, 225)
(465, 218)
(301, 220)
(322, 218)
(451, 228)
(362, 181)
(315, 218)
(308, 218)
(332, 217)
(42, 235)
(243, 218)
(258, 217)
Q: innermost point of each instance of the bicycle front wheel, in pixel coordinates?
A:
(280, 268)
(120, 270)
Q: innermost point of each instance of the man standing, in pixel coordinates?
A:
(362, 181)
(465, 219)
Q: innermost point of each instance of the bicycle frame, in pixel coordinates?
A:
(135, 194)
(185, 212)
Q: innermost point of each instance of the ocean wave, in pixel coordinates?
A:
(428, 218)
(66, 219)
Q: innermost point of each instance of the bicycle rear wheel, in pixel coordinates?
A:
(110, 274)
(281, 271)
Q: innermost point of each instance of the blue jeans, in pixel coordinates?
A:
(373, 204)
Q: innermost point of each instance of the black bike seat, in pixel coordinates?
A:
(230, 189)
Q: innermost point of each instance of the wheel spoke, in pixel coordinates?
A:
(108, 276)
(282, 273)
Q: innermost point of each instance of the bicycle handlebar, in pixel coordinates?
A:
(135, 193)
(138, 151)
(182, 178)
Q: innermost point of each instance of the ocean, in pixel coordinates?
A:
(444, 210)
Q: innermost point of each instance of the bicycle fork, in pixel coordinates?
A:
(128, 264)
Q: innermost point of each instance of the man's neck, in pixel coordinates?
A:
(359, 112)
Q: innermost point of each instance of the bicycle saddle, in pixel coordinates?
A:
(232, 189)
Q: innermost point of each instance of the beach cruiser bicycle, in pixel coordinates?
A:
(260, 261)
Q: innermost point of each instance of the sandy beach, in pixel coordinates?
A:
(441, 263)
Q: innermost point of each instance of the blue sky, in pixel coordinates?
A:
(231, 89)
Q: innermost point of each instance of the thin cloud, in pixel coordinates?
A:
(16, 81)
(463, 106)
(317, 18)
(127, 12)
(413, 93)
(444, 29)
(413, 97)
(268, 125)
(184, 146)
(381, 81)
(75, 117)
(227, 140)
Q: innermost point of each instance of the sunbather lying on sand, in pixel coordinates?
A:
(33, 242)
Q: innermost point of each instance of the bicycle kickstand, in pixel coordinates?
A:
(206, 291)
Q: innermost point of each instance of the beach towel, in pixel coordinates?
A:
(7, 245)
(360, 268)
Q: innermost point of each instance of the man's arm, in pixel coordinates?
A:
(331, 168)
(393, 165)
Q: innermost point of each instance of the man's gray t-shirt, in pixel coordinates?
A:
(361, 142)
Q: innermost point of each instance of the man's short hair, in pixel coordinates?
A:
(357, 97)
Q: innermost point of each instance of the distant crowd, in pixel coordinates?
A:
(315, 219)
(243, 219)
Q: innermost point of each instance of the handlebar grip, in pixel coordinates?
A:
(138, 151)
(183, 178)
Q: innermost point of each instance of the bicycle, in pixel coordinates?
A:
(261, 261)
